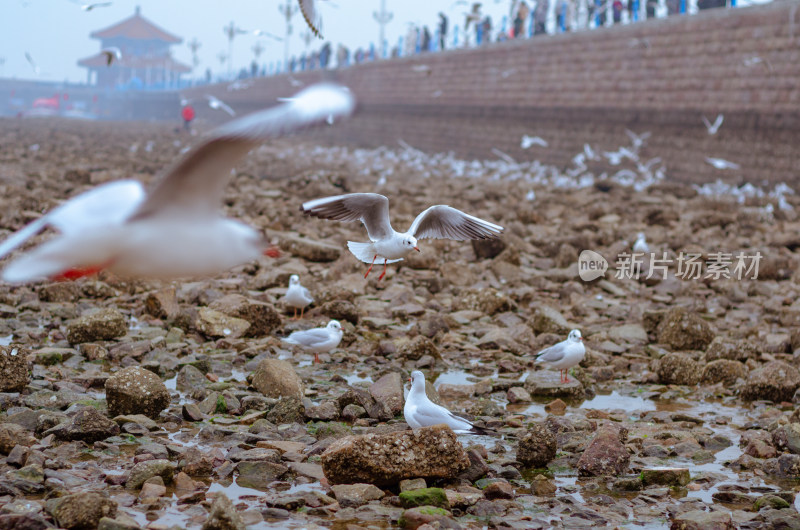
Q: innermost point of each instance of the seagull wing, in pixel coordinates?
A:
(444, 222)
(552, 354)
(105, 205)
(312, 16)
(196, 183)
(430, 413)
(309, 337)
(372, 209)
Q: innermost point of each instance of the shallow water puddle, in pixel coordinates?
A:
(6, 341)
(616, 401)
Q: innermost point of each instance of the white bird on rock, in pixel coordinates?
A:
(437, 222)
(176, 230)
(317, 340)
(564, 355)
(419, 411)
(640, 245)
(297, 296)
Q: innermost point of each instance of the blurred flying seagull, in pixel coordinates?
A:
(713, 127)
(637, 140)
(312, 16)
(218, 104)
(564, 355)
(437, 222)
(262, 33)
(528, 141)
(89, 7)
(419, 411)
(32, 63)
(297, 296)
(473, 16)
(720, 163)
(317, 340)
(176, 230)
(112, 53)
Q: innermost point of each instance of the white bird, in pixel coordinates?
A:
(564, 355)
(218, 104)
(312, 16)
(437, 222)
(419, 411)
(32, 63)
(528, 141)
(713, 127)
(176, 230)
(112, 53)
(720, 163)
(297, 296)
(637, 140)
(640, 245)
(317, 340)
(262, 33)
(89, 7)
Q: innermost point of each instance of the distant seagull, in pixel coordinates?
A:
(504, 156)
(528, 141)
(713, 127)
(564, 355)
(112, 54)
(217, 104)
(640, 245)
(530, 196)
(318, 340)
(422, 68)
(89, 7)
(177, 229)
(297, 296)
(419, 411)
(589, 152)
(719, 163)
(32, 63)
(312, 16)
(295, 82)
(437, 222)
(238, 85)
(637, 139)
(262, 33)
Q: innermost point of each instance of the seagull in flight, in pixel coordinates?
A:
(713, 127)
(528, 141)
(112, 54)
(419, 411)
(720, 163)
(89, 7)
(218, 104)
(176, 230)
(262, 33)
(32, 63)
(372, 209)
(312, 16)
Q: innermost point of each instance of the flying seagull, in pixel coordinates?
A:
(713, 127)
(112, 54)
(312, 16)
(218, 104)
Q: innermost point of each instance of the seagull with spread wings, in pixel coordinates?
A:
(176, 230)
(437, 222)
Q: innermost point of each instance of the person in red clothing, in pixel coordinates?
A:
(187, 113)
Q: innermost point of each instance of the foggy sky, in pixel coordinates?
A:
(56, 32)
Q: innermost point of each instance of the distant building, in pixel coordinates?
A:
(146, 60)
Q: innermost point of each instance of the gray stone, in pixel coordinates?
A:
(142, 471)
(135, 390)
(14, 371)
(217, 325)
(775, 381)
(309, 249)
(606, 453)
(356, 494)
(549, 320)
(103, 324)
(222, 515)
(682, 329)
(88, 425)
(678, 369)
(547, 383)
(389, 390)
(81, 511)
(276, 378)
(537, 447)
(262, 317)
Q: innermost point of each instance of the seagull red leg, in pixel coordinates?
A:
(384, 271)
(370, 265)
(316, 359)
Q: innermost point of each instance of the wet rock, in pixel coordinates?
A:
(629, 333)
(217, 325)
(517, 394)
(606, 453)
(276, 378)
(549, 320)
(352, 412)
(682, 329)
(499, 490)
(103, 324)
(418, 347)
(724, 348)
(678, 369)
(429, 452)
(190, 379)
(223, 516)
(309, 249)
(341, 310)
(325, 411)
(537, 447)
(81, 511)
(196, 463)
(488, 301)
(88, 425)
(426, 515)
(770, 501)
(556, 406)
(162, 303)
(262, 317)
(356, 494)
(135, 390)
(433, 325)
(477, 466)
(14, 371)
(259, 474)
(488, 248)
(787, 437)
(12, 435)
(543, 486)
(143, 471)
(287, 410)
(412, 484)
(665, 476)
(547, 383)
(389, 391)
(788, 466)
(702, 520)
(424, 497)
(24, 521)
(775, 381)
(375, 409)
(723, 371)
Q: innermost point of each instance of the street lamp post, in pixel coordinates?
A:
(382, 17)
(288, 10)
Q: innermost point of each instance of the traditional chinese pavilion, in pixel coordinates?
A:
(146, 59)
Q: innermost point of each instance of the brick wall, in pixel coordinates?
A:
(659, 76)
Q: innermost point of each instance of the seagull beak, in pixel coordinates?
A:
(409, 379)
(417, 249)
(580, 339)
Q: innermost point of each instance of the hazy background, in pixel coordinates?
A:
(56, 32)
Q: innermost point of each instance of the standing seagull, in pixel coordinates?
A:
(297, 296)
(317, 340)
(437, 222)
(564, 355)
(419, 411)
(176, 230)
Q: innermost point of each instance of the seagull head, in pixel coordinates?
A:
(410, 242)
(575, 336)
(334, 325)
(417, 377)
(294, 279)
